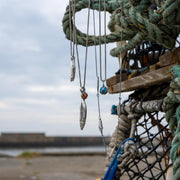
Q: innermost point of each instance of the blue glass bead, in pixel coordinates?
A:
(103, 90)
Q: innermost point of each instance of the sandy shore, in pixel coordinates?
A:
(53, 168)
(61, 167)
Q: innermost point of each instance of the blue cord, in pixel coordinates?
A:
(114, 110)
(110, 173)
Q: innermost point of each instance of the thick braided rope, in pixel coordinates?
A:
(139, 22)
(121, 133)
(172, 109)
(146, 26)
(118, 136)
(129, 148)
(81, 37)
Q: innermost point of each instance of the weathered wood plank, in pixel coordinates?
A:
(116, 79)
(153, 77)
(142, 81)
(170, 57)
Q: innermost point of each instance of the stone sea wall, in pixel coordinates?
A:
(41, 140)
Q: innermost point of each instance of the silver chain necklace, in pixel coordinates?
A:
(84, 95)
(103, 89)
(120, 67)
(100, 124)
(72, 41)
(120, 78)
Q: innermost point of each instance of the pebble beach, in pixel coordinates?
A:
(82, 167)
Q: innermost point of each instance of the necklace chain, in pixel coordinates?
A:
(100, 50)
(85, 67)
(82, 86)
(100, 125)
(70, 26)
(120, 75)
(75, 41)
(120, 62)
(74, 28)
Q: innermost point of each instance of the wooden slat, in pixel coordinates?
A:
(170, 57)
(142, 81)
(155, 76)
(115, 79)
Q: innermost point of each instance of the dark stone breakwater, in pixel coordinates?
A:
(14, 140)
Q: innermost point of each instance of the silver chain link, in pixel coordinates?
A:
(100, 50)
(74, 27)
(85, 67)
(100, 123)
(70, 26)
(120, 62)
(82, 86)
(120, 78)
(75, 41)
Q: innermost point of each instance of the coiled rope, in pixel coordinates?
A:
(151, 20)
(128, 148)
(172, 109)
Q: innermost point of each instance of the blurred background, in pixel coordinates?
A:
(39, 107)
(36, 94)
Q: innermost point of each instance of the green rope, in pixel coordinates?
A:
(172, 109)
(139, 22)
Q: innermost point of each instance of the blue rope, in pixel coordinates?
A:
(110, 173)
(114, 110)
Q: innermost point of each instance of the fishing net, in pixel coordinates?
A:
(152, 135)
(153, 143)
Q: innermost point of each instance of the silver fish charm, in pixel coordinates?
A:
(73, 68)
(98, 84)
(100, 125)
(83, 114)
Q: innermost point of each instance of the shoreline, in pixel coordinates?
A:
(53, 167)
(54, 151)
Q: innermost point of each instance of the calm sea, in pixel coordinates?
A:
(15, 152)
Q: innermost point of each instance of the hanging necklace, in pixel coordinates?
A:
(103, 89)
(100, 124)
(120, 63)
(72, 41)
(84, 95)
(120, 78)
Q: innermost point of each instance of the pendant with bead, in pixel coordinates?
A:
(84, 95)
(103, 90)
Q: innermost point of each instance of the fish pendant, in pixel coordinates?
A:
(73, 68)
(97, 84)
(100, 125)
(83, 113)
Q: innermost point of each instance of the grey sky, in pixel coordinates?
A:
(36, 94)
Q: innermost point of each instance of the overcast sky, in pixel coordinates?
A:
(36, 94)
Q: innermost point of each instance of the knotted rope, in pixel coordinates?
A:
(112, 170)
(172, 109)
(128, 148)
(130, 113)
(151, 20)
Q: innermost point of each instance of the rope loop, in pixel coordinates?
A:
(128, 151)
(172, 109)
(140, 20)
